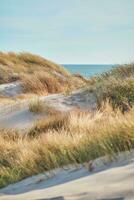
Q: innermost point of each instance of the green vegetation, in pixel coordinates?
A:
(116, 85)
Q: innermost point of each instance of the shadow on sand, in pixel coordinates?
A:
(84, 196)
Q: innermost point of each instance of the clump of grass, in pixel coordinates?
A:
(42, 83)
(67, 91)
(120, 93)
(52, 122)
(116, 85)
(36, 106)
(79, 138)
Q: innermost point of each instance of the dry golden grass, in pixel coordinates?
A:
(53, 122)
(60, 140)
(42, 83)
(28, 63)
(38, 75)
(36, 106)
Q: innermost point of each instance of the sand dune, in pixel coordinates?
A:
(109, 181)
(18, 116)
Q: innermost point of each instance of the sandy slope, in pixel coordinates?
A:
(10, 89)
(19, 119)
(111, 181)
(18, 115)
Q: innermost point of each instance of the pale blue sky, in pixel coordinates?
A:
(69, 31)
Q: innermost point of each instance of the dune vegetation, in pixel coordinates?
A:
(117, 85)
(72, 137)
(36, 106)
(37, 74)
(76, 137)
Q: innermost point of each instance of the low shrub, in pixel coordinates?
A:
(116, 85)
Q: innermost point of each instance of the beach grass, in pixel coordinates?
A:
(36, 106)
(72, 137)
(37, 74)
(117, 85)
(78, 137)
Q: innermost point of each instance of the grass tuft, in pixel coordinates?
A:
(36, 106)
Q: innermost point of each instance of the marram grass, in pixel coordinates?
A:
(78, 138)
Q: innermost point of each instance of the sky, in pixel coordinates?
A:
(69, 31)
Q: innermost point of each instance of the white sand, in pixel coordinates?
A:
(111, 181)
(10, 89)
(21, 119)
(18, 115)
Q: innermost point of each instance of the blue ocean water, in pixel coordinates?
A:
(88, 70)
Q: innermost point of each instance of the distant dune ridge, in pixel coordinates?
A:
(37, 74)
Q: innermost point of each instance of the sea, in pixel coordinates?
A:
(88, 70)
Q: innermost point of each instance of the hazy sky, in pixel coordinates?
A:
(69, 31)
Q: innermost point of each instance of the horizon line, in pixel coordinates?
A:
(88, 64)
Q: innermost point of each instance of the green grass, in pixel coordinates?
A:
(116, 85)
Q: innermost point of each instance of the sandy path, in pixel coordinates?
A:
(114, 181)
(19, 119)
(18, 115)
(11, 89)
